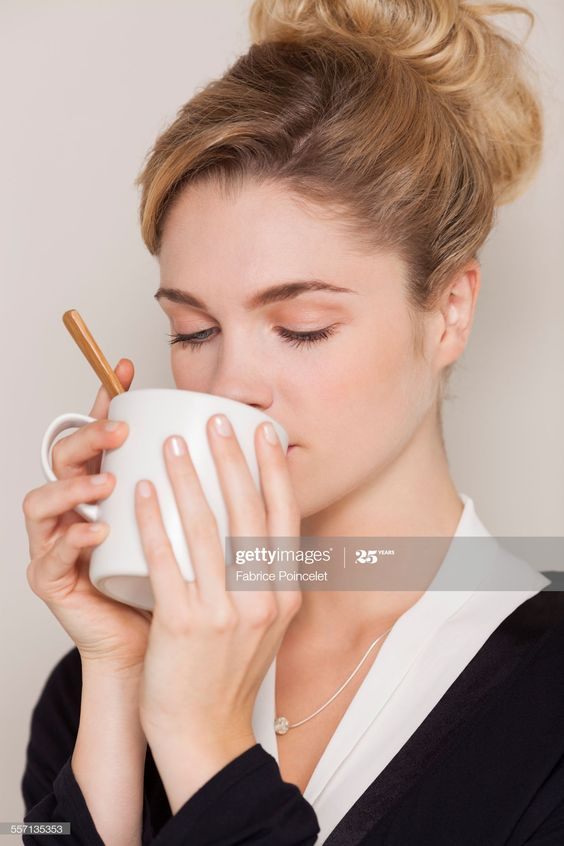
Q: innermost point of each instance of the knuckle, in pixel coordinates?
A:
(29, 504)
(59, 451)
(30, 574)
(263, 615)
(293, 603)
(179, 621)
(177, 624)
(56, 452)
(224, 619)
(26, 503)
(158, 549)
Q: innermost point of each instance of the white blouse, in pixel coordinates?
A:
(427, 648)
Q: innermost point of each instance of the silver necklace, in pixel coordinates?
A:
(282, 725)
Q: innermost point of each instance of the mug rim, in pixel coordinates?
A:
(241, 406)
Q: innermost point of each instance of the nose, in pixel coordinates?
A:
(243, 381)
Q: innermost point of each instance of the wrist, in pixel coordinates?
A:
(114, 695)
(203, 738)
(126, 675)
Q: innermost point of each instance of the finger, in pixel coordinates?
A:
(56, 571)
(169, 587)
(43, 506)
(198, 522)
(282, 511)
(244, 503)
(245, 508)
(124, 370)
(70, 455)
(283, 519)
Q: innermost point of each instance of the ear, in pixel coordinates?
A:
(456, 314)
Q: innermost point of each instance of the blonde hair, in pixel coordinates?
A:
(410, 119)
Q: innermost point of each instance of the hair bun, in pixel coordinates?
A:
(479, 70)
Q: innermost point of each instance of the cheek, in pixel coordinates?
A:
(377, 372)
(366, 405)
(372, 395)
(188, 372)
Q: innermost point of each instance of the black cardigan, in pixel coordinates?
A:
(486, 766)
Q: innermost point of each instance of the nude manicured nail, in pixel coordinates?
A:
(144, 489)
(177, 446)
(222, 425)
(269, 433)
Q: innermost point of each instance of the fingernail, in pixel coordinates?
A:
(269, 433)
(111, 425)
(222, 425)
(177, 446)
(144, 489)
(100, 479)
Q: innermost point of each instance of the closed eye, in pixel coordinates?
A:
(296, 339)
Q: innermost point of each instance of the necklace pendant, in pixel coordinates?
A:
(281, 725)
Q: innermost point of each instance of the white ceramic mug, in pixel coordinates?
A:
(118, 567)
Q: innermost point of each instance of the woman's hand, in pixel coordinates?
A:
(209, 649)
(60, 545)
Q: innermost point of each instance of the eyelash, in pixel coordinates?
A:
(295, 339)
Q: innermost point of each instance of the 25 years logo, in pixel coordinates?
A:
(370, 556)
(366, 556)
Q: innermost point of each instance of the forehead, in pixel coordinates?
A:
(258, 234)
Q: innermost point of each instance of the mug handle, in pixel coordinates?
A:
(59, 424)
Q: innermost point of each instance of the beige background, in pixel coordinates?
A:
(87, 86)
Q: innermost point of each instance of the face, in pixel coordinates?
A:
(353, 392)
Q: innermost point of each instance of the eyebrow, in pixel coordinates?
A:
(276, 293)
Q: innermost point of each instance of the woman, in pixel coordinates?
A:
(350, 163)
